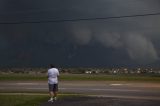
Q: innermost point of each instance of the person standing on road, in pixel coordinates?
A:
(53, 74)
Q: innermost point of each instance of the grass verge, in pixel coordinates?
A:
(28, 99)
(81, 77)
(22, 100)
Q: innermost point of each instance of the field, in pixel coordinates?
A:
(36, 100)
(81, 77)
(72, 100)
(29, 100)
(22, 100)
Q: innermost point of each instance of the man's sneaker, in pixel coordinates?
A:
(55, 98)
(50, 100)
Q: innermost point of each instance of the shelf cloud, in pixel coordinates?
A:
(123, 41)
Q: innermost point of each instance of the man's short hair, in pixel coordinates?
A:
(52, 66)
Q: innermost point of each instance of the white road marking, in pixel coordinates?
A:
(118, 84)
(122, 90)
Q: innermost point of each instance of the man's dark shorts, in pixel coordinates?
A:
(53, 87)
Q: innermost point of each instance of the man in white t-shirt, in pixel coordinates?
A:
(53, 74)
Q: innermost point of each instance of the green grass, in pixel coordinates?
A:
(22, 100)
(81, 77)
(84, 77)
(29, 100)
(24, 77)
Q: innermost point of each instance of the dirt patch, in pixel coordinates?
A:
(101, 101)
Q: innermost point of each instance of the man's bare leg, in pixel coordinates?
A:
(55, 95)
(51, 96)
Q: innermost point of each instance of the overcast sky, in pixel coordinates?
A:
(95, 43)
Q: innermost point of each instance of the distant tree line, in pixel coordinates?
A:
(84, 70)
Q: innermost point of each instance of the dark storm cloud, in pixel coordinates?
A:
(84, 43)
(132, 34)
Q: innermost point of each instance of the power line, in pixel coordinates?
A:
(83, 19)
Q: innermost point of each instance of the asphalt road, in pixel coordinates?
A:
(101, 101)
(132, 90)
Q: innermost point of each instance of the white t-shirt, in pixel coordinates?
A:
(53, 73)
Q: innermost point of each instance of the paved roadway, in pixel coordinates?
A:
(93, 88)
